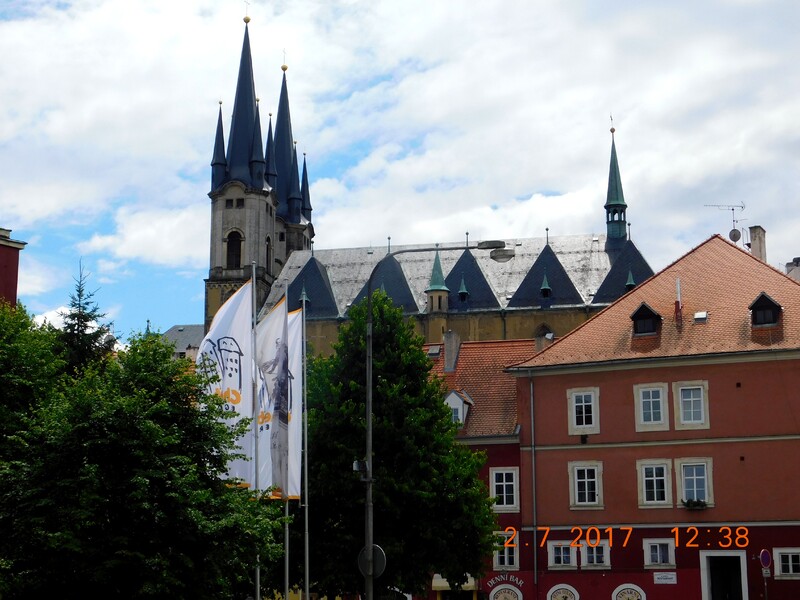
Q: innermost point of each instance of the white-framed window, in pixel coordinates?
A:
(787, 563)
(694, 478)
(652, 409)
(596, 557)
(585, 484)
(583, 410)
(505, 489)
(691, 404)
(659, 553)
(655, 482)
(505, 556)
(560, 555)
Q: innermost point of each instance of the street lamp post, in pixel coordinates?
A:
(498, 253)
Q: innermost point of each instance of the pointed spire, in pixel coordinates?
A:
(257, 163)
(545, 289)
(463, 292)
(218, 163)
(630, 284)
(243, 117)
(304, 192)
(615, 200)
(295, 198)
(269, 156)
(437, 277)
(284, 150)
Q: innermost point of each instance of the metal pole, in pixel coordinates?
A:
(254, 391)
(368, 577)
(303, 298)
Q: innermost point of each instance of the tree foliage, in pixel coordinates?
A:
(432, 512)
(84, 338)
(111, 481)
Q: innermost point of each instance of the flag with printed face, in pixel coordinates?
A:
(279, 352)
(226, 353)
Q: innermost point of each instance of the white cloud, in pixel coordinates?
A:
(36, 278)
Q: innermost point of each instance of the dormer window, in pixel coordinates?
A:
(459, 403)
(646, 321)
(764, 311)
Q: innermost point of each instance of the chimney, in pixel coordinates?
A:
(452, 344)
(793, 268)
(758, 242)
(9, 266)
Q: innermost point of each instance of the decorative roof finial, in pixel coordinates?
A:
(467, 239)
(284, 68)
(389, 247)
(547, 235)
(246, 17)
(612, 124)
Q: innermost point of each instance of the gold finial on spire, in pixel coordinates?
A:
(246, 16)
(258, 99)
(612, 124)
(220, 102)
(283, 66)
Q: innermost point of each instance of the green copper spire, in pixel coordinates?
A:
(463, 292)
(615, 200)
(630, 284)
(437, 277)
(545, 289)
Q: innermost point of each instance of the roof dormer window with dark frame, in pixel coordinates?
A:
(646, 321)
(764, 311)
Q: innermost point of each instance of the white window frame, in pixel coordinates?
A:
(514, 471)
(648, 563)
(779, 572)
(704, 423)
(573, 468)
(640, 473)
(572, 425)
(586, 549)
(638, 400)
(573, 556)
(680, 484)
(511, 554)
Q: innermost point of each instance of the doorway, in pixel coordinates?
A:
(723, 575)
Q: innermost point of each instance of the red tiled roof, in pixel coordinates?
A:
(480, 373)
(717, 277)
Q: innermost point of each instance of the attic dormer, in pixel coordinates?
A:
(459, 403)
(764, 311)
(646, 321)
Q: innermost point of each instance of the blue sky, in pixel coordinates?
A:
(421, 120)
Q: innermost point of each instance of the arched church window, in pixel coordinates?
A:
(234, 250)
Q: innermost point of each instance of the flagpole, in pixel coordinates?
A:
(285, 483)
(303, 298)
(256, 407)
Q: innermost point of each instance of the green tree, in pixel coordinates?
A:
(432, 512)
(84, 338)
(115, 488)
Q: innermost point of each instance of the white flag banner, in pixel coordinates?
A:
(226, 352)
(295, 334)
(280, 435)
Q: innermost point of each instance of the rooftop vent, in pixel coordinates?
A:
(434, 351)
(701, 316)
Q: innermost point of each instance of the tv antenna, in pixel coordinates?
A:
(734, 234)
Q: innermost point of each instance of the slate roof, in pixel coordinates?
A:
(184, 336)
(584, 259)
(479, 374)
(716, 277)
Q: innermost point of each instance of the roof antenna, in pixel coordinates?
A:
(734, 234)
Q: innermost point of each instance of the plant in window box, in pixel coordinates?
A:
(694, 504)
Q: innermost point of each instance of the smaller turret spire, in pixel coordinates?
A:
(271, 174)
(218, 163)
(615, 200)
(304, 192)
(295, 198)
(257, 163)
(437, 276)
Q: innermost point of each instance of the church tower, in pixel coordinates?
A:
(249, 220)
